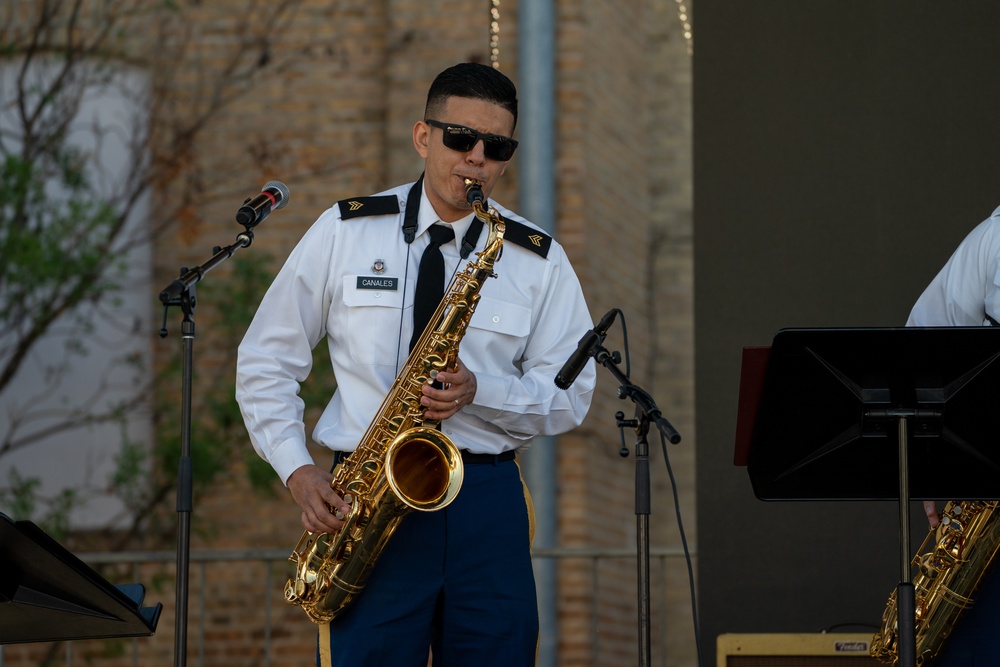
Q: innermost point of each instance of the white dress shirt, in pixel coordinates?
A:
(527, 323)
(967, 289)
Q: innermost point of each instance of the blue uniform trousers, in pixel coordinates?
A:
(457, 581)
(975, 641)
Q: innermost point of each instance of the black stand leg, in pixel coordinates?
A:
(905, 595)
(646, 412)
(642, 511)
(185, 497)
(645, 408)
(181, 292)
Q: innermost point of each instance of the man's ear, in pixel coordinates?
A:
(421, 137)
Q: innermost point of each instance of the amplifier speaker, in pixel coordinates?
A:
(795, 650)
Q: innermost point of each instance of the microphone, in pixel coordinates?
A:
(273, 195)
(585, 349)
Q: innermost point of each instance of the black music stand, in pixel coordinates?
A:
(875, 414)
(48, 594)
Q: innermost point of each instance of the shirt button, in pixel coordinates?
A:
(378, 294)
(496, 318)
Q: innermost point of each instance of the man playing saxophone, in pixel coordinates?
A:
(457, 581)
(966, 292)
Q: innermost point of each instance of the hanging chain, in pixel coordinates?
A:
(495, 33)
(685, 18)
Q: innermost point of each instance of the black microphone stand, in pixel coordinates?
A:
(646, 411)
(181, 292)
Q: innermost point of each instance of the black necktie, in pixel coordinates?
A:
(430, 280)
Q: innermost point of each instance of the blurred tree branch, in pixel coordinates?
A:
(67, 221)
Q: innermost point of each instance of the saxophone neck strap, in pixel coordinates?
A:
(471, 237)
(412, 211)
(412, 214)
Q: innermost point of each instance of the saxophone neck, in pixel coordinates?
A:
(474, 193)
(487, 214)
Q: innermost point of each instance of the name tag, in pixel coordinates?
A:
(377, 282)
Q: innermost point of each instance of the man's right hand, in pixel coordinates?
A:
(311, 490)
(930, 509)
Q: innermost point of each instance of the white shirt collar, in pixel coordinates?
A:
(428, 216)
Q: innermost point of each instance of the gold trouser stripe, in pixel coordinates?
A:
(531, 507)
(531, 535)
(325, 659)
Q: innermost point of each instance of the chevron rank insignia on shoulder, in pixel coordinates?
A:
(362, 206)
(534, 240)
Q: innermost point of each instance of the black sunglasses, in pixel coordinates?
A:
(463, 139)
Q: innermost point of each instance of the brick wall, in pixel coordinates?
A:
(331, 116)
(625, 218)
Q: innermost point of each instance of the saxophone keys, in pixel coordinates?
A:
(349, 499)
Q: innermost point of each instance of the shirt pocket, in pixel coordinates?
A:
(373, 321)
(498, 330)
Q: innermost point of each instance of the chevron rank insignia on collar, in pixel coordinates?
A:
(362, 206)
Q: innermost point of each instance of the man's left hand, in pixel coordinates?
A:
(458, 390)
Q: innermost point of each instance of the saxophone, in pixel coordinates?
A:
(402, 463)
(946, 580)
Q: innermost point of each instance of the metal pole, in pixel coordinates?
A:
(536, 130)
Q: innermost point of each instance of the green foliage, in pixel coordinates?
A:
(63, 247)
(219, 439)
(55, 246)
(55, 237)
(55, 232)
(21, 495)
(21, 500)
(130, 471)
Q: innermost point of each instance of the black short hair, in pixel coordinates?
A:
(475, 81)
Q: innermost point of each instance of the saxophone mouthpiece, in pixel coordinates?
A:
(474, 192)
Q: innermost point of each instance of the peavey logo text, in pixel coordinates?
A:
(378, 282)
(850, 647)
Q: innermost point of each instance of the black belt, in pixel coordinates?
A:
(469, 458)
